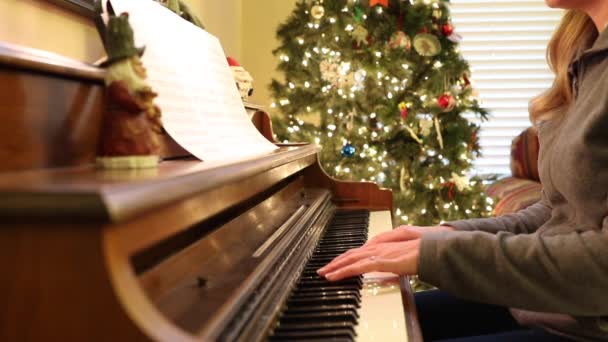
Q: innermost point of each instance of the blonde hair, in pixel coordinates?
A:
(575, 33)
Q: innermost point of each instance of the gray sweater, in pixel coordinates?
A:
(548, 262)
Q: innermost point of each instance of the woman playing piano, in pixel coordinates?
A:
(540, 274)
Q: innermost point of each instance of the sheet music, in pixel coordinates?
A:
(202, 109)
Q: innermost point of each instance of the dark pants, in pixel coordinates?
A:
(446, 318)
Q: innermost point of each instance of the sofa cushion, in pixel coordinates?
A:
(514, 194)
(524, 155)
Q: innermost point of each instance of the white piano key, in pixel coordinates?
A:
(382, 316)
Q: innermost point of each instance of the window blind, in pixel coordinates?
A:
(505, 44)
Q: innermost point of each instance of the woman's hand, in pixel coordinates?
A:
(406, 233)
(395, 257)
(396, 251)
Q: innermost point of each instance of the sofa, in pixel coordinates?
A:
(522, 188)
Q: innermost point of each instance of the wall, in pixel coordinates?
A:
(39, 24)
(260, 22)
(43, 25)
(223, 19)
(246, 28)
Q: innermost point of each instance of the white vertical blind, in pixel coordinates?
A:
(505, 44)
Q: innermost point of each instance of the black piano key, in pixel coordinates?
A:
(297, 297)
(328, 288)
(331, 316)
(319, 310)
(324, 308)
(323, 282)
(340, 241)
(350, 300)
(328, 335)
(309, 294)
(304, 326)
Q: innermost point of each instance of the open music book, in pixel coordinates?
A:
(201, 106)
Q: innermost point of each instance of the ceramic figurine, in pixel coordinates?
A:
(132, 122)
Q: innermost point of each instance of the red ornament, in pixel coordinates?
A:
(444, 101)
(232, 62)
(474, 141)
(451, 186)
(403, 110)
(447, 29)
(378, 2)
(467, 81)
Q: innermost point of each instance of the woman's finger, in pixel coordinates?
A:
(398, 234)
(369, 264)
(385, 237)
(354, 251)
(346, 260)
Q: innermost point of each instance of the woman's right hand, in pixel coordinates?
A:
(406, 233)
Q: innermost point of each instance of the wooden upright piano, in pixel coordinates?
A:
(191, 251)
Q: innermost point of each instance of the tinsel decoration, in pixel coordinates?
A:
(350, 120)
(402, 178)
(438, 129)
(413, 134)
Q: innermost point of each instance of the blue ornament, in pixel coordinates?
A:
(348, 151)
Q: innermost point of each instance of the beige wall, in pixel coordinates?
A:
(224, 19)
(39, 24)
(260, 22)
(43, 25)
(246, 29)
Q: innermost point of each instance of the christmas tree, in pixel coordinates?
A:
(382, 87)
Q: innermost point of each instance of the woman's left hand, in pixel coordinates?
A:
(394, 257)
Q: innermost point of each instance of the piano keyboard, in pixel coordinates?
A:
(356, 309)
(318, 310)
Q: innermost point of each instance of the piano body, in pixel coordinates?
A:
(191, 251)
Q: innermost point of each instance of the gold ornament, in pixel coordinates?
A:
(402, 178)
(400, 40)
(317, 12)
(427, 45)
(438, 129)
(426, 126)
(413, 135)
(360, 34)
(461, 182)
